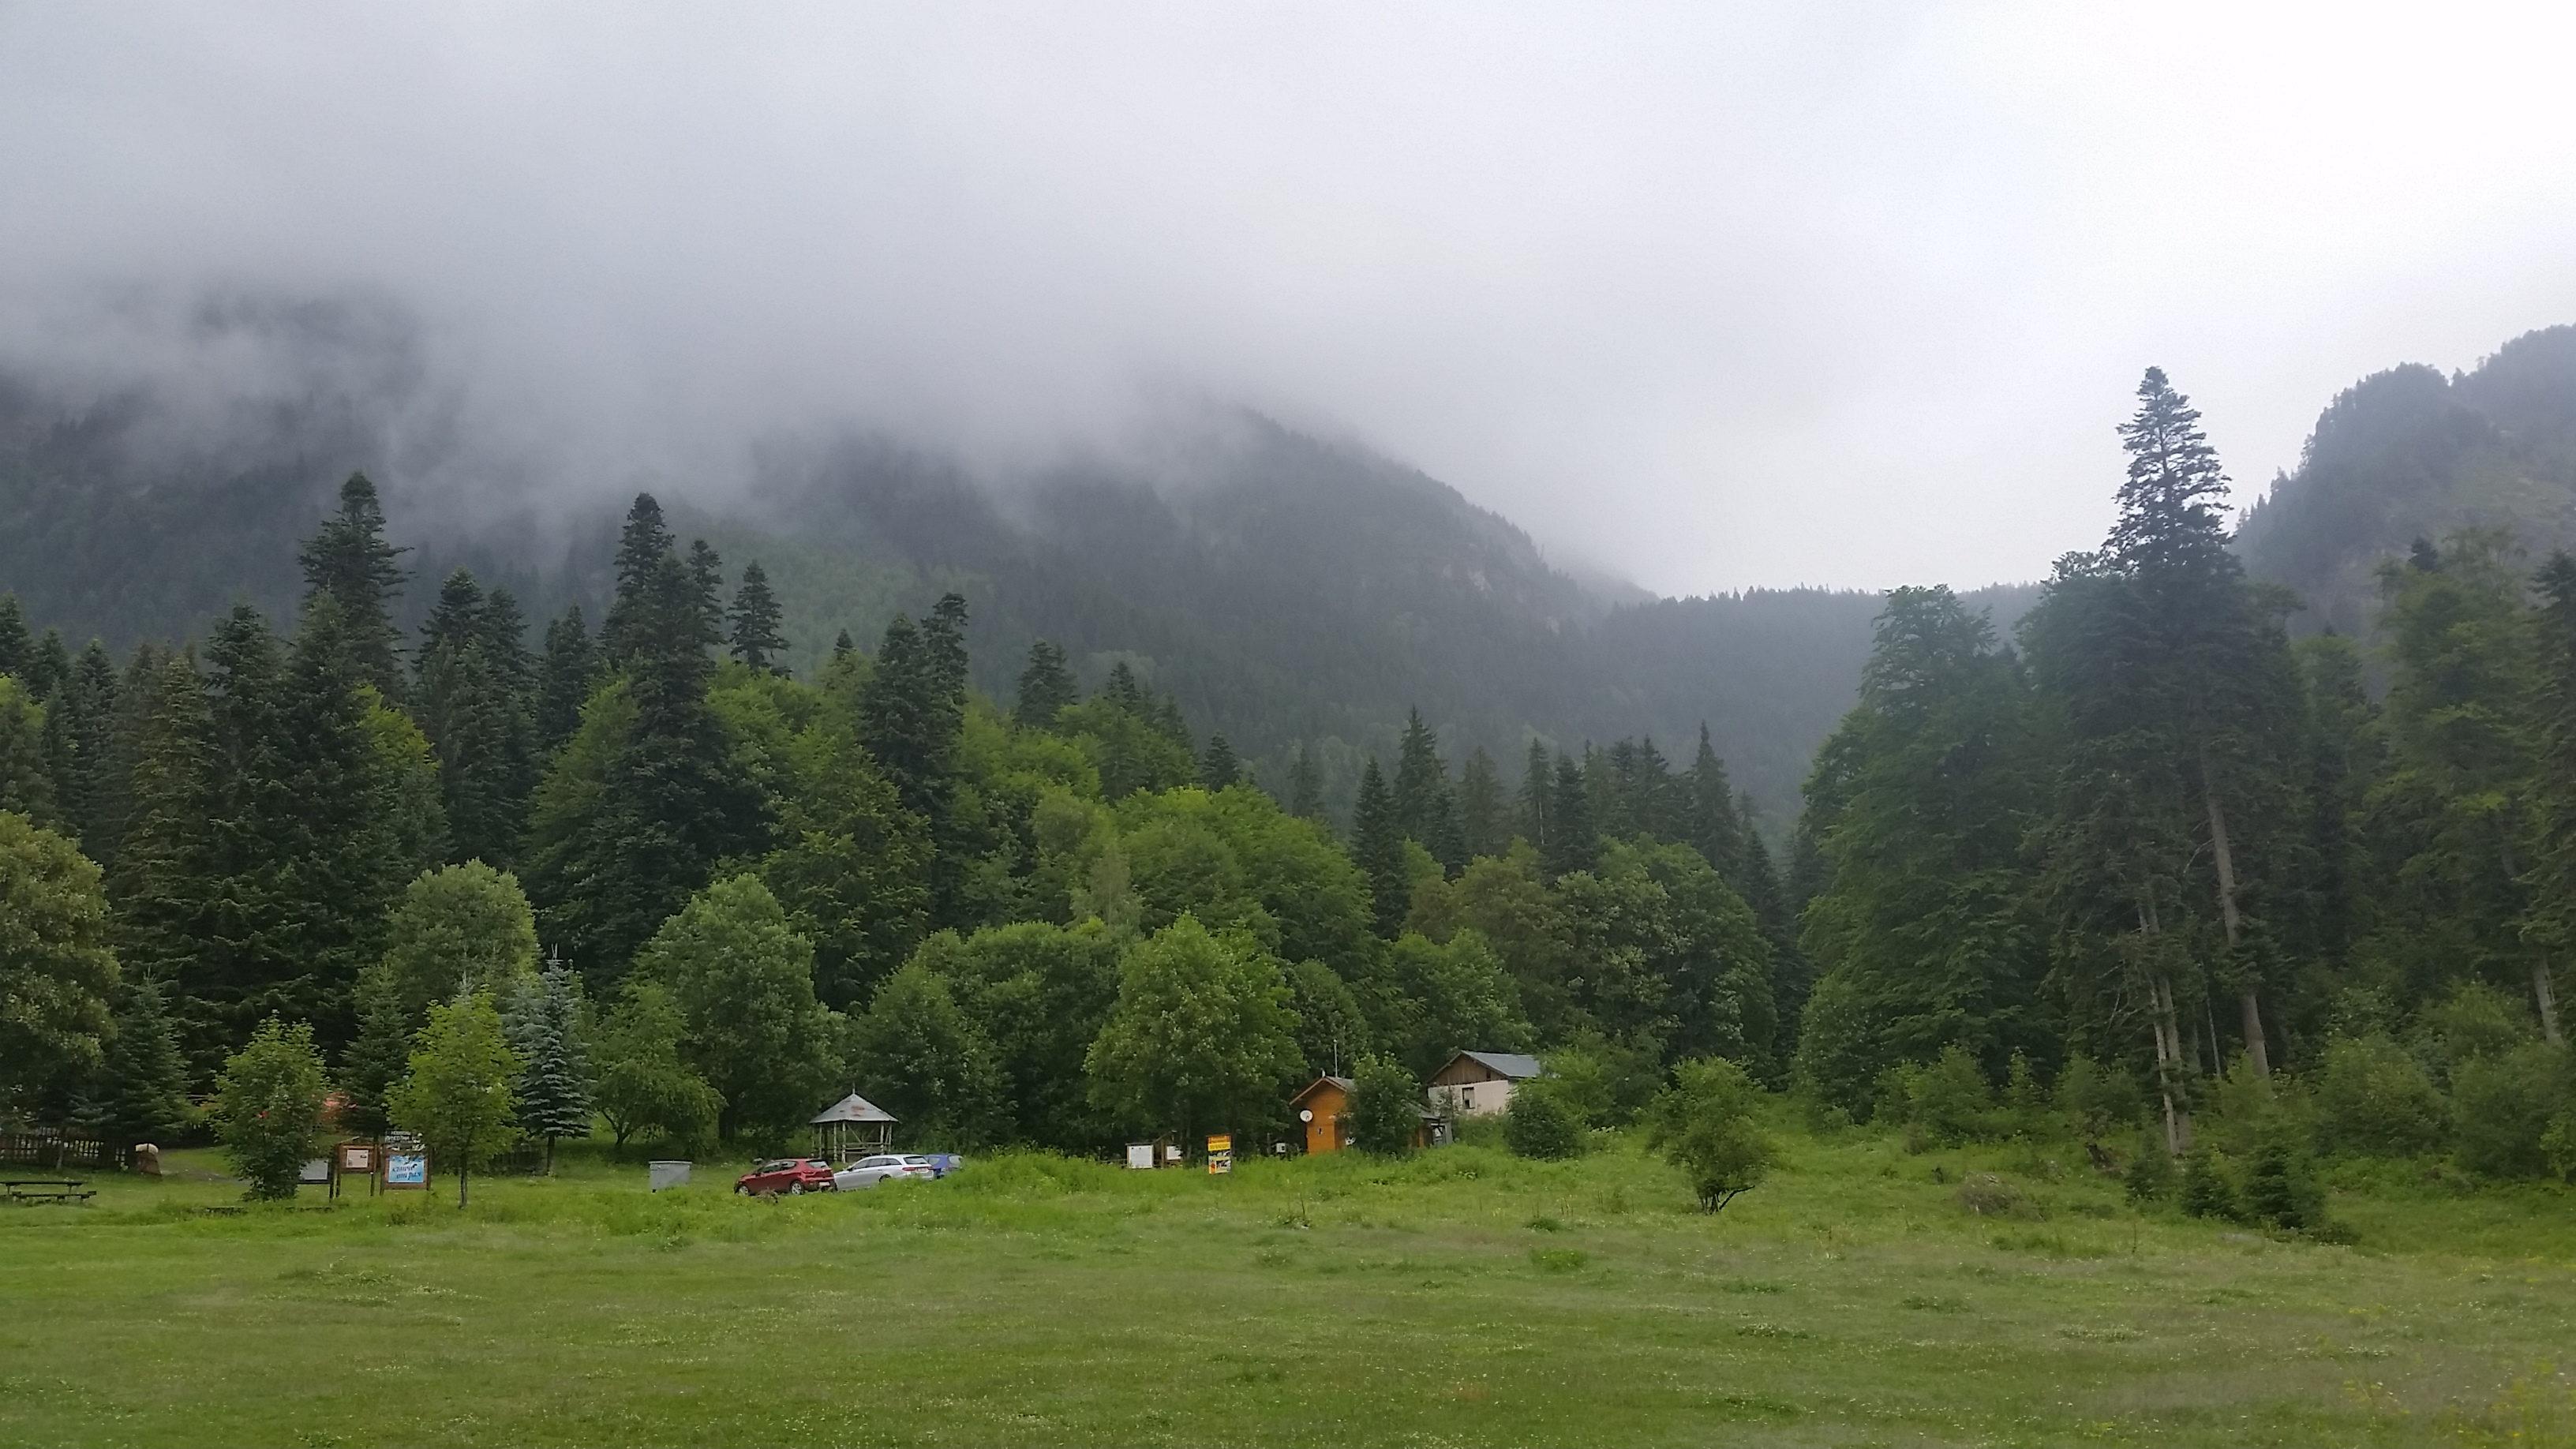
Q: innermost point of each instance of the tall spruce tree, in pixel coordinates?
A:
(1377, 845)
(1046, 688)
(1305, 787)
(544, 1027)
(755, 638)
(1537, 794)
(348, 559)
(140, 1093)
(565, 677)
(17, 646)
(1218, 765)
(464, 705)
(637, 809)
(1715, 825)
(1572, 843)
(1426, 809)
(1484, 811)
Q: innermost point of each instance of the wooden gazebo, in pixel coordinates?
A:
(851, 1128)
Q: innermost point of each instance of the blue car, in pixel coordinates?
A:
(941, 1163)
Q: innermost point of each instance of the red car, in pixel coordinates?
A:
(792, 1175)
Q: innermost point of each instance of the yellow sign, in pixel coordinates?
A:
(1220, 1144)
(1220, 1155)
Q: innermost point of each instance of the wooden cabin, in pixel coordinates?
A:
(1321, 1110)
(1479, 1084)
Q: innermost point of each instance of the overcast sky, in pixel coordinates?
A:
(1710, 295)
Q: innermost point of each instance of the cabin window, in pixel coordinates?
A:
(1467, 1098)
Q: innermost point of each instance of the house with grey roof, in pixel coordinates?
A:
(1479, 1084)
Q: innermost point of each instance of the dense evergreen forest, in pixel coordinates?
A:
(2156, 847)
(708, 895)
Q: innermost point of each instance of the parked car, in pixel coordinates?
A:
(885, 1167)
(791, 1175)
(941, 1163)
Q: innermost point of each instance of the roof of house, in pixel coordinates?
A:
(1308, 1090)
(1515, 1065)
(852, 1108)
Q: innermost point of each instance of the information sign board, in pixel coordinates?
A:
(1220, 1155)
(407, 1169)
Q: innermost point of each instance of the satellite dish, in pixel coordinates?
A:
(1306, 1114)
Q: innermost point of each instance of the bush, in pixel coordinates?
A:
(2150, 1174)
(2503, 1105)
(1540, 1125)
(2206, 1190)
(2097, 1101)
(2281, 1188)
(268, 1107)
(1704, 1124)
(1943, 1105)
(2374, 1098)
(1385, 1106)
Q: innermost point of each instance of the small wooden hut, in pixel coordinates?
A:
(852, 1128)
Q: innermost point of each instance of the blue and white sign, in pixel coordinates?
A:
(406, 1169)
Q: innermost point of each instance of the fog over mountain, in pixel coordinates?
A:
(1706, 299)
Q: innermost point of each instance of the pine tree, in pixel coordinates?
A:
(1484, 812)
(843, 647)
(555, 1085)
(48, 666)
(1218, 766)
(1714, 825)
(2551, 924)
(26, 776)
(17, 646)
(374, 1061)
(1046, 687)
(642, 544)
(755, 639)
(1572, 844)
(1305, 787)
(141, 1091)
(1537, 792)
(461, 705)
(1425, 809)
(83, 715)
(706, 575)
(564, 680)
(639, 806)
(159, 881)
(1377, 845)
(348, 559)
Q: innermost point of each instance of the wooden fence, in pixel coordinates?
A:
(49, 1149)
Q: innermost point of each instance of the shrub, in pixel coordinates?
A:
(1704, 1125)
(1944, 1104)
(1989, 1196)
(2372, 1097)
(2150, 1175)
(1385, 1106)
(2281, 1187)
(268, 1106)
(1539, 1125)
(2206, 1191)
(2503, 1105)
(2477, 1021)
(2097, 1101)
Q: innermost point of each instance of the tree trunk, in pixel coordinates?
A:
(461, 1175)
(2548, 999)
(2168, 1032)
(2226, 861)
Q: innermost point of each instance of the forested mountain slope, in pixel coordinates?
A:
(2407, 454)
(1282, 589)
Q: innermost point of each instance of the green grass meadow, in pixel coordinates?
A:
(1458, 1297)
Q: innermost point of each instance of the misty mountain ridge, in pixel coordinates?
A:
(1282, 587)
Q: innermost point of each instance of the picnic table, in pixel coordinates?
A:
(45, 1189)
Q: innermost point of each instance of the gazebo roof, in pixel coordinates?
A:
(852, 1108)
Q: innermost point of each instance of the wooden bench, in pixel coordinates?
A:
(45, 1189)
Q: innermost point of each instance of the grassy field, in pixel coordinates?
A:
(1461, 1297)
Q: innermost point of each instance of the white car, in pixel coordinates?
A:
(889, 1167)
